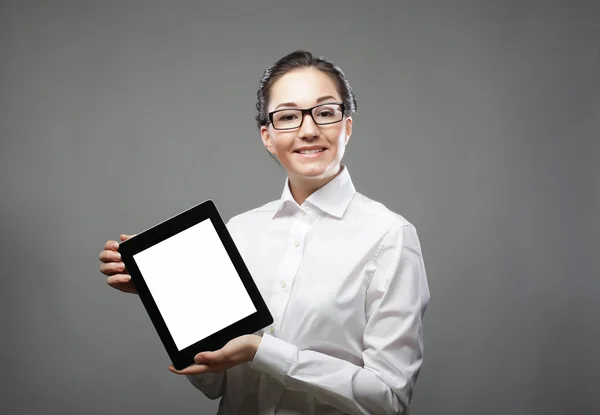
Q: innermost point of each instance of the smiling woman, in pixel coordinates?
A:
(342, 275)
(307, 130)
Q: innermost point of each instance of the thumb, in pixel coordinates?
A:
(125, 236)
(209, 357)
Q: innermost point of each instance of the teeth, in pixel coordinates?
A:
(310, 151)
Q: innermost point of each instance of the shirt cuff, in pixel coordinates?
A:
(274, 357)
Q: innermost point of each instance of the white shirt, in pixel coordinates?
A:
(344, 279)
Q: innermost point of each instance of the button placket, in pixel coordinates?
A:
(299, 231)
(282, 284)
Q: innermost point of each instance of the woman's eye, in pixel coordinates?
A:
(286, 117)
(325, 114)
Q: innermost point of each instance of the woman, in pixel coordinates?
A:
(342, 275)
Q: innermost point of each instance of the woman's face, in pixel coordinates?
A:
(305, 88)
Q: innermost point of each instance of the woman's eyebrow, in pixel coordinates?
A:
(293, 104)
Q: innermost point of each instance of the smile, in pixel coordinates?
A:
(320, 150)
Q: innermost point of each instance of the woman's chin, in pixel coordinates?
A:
(315, 172)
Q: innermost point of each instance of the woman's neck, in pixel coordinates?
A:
(301, 187)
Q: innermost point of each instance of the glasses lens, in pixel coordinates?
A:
(328, 113)
(287, 119)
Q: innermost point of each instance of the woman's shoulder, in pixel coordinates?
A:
(377, 211)
(395, 230)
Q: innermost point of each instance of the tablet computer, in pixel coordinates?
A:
(194, 284)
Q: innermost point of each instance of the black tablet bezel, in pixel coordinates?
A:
(206, 210)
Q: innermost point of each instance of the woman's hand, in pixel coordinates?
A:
(239, 350)
(114, 269)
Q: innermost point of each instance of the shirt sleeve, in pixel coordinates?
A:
(212, 385)
(397, 298)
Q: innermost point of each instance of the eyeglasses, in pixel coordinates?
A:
(322, 114)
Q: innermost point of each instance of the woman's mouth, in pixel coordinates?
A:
(313, 153)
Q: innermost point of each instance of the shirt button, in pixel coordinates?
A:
(283, 284)
(303, 213)
(271, 329)
(296, 243)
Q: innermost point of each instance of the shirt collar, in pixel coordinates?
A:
(333, 198)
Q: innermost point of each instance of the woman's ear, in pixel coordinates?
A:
(348, 128)
(265, 136)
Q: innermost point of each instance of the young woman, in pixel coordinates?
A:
(342, 275)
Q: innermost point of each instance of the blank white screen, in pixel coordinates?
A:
(194, 284)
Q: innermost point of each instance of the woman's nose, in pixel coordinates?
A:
(308, 129)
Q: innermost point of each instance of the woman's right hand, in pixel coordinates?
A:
(114, 269)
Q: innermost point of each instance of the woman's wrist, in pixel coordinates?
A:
(253, 346)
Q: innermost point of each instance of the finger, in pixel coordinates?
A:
(109, 256)
(190, 370)
(118, 279)
(113, 268)
(123, 284)
(111, 245)
(199, 369)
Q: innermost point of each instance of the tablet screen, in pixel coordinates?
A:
(194, 284)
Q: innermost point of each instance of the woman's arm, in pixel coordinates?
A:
(393, 340)
(212, 385)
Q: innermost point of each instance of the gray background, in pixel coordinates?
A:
(479, 122)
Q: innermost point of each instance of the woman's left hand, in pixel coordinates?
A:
(239, 350)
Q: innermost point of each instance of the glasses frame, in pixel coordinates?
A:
(305, 111)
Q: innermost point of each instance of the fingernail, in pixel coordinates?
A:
(118, 256)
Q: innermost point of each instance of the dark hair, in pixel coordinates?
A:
(296, 60)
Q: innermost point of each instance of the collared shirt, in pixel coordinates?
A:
(344, 279)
